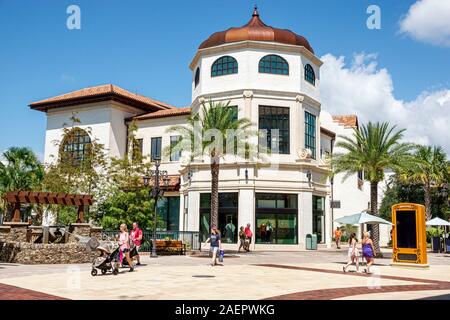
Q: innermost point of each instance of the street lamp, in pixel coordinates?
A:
(156, 192)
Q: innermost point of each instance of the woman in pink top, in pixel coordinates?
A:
(124, 242)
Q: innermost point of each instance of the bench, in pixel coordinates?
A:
(170, 247)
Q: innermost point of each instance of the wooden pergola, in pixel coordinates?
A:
(28, 197)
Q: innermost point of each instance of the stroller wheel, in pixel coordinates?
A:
(94, 272)
(115, 272)
(104, 271)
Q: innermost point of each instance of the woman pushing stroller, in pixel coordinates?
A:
(124, 243)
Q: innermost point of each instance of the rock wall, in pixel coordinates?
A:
(13, 234)
(29, 253)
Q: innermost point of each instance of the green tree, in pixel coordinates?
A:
(125, 199)
(20, 170)
(400, 190)
(373, 148)
(429, 169)
(207, 134)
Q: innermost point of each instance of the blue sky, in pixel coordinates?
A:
(146, 47)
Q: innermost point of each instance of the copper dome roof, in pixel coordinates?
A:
(256, 30)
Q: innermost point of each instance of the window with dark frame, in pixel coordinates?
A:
(223, 66)
(310, 133)
(75, 147)
(197, 77)
(156, 148)
(273, 64)
(310, 76)
(174, 155)
(271, 118)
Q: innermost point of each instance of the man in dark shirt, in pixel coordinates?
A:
(216, 244)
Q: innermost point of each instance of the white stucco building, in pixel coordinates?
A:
(272, 77)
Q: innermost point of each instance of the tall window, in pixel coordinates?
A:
(234, 109)
(319, 218)
(175, 155)
(137, 149)
(273, 64)
(223, 66)
(276, 218)
(271, 118)
(197, 77)
(310, 133)
(228, 216)
(169, 213)
(310, 76)
(75, 147)
(156, 148)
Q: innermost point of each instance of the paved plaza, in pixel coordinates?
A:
(255, 275)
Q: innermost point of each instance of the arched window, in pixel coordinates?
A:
(310, 76)
(223, 66)
(273, 64)
(75, 147)
(197, 77)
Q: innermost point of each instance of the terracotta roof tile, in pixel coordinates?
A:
(163, 113)
(350, 121)
(107, 90)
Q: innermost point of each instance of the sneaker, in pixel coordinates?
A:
(131, 270)
(138, 264)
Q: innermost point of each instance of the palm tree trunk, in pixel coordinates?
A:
(427, 190)
(214, 192)
(374, 211)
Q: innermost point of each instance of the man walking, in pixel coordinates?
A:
(136, 237)
(337, 237)
(249, 235)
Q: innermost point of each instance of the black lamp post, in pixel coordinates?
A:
(156, 192)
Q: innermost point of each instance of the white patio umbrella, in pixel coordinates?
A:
(361, 218)
(440, 223)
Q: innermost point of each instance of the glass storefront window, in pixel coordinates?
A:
(168, 213)
(276, 218)
(228, 216)
(319, 218)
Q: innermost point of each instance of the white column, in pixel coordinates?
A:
(193, 217)
(246, 211)
(328, 223)
(305, 216)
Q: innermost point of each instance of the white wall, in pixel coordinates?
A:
(248, 76)
(104, 120)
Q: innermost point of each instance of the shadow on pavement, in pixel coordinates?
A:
(441, 297)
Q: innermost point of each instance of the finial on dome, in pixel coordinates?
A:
(255, 11)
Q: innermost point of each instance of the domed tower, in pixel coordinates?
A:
(255, 57)
(255, 66)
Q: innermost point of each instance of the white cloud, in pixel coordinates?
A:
(363, 89)
(428, 21)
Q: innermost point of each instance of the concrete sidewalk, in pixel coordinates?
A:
(265, 275)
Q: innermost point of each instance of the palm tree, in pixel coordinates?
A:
(429, 168)
(205, 136)
(20, 169)
(373, 149)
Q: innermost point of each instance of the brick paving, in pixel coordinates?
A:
(8, 292)
(335, 293)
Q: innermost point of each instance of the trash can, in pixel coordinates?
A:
(311, 242)
(436, 244)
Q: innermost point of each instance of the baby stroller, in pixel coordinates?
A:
(133, 252)
(108, 259)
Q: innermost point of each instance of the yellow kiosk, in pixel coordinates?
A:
(409, 240)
